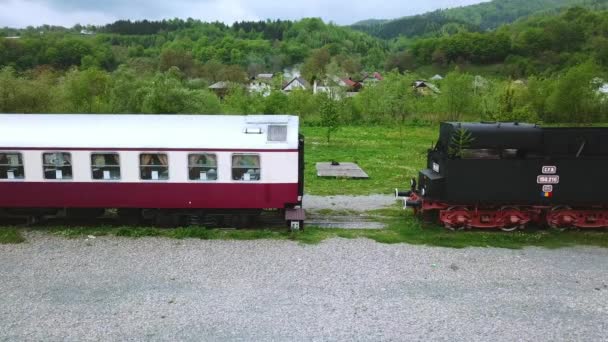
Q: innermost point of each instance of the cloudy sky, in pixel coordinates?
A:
(21, 13)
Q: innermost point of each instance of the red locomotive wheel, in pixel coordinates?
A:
(456, 218)
(558, 218)
(512, 222)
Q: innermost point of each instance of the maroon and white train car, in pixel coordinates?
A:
(151, 166)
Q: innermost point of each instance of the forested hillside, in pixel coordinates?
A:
(481, 17)
(196, 47)
(547, 67)
(539, 45)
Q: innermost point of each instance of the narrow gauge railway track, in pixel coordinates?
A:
(264, 220)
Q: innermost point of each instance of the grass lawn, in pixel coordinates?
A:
(389, 160)
(10, 235)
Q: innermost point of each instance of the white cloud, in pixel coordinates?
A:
(16, 13)
(227, 11)
(20, 13)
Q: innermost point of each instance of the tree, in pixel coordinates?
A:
(86, 91)
(70, 52)
(176, 58)
(276, 103)
(167, 95)
(303, 103)
(457, 95)
(401, 61)
(330, 116)
(238, 101)
(513, 104)
(600, 45)
(537, 96)
(398, 97)
(8, 85)
(575, 98)
(232, 73)
(125, 91)
(460, 141)
(316, 64)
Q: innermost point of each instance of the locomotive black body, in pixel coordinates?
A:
(507, 175)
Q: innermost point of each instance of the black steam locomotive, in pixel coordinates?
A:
(509, 175)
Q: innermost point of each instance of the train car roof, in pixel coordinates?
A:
(141, 131)
(513, 135)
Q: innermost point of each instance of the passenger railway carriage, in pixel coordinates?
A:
(167, 168)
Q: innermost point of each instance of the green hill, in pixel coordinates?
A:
(480, 17)
(371, 22)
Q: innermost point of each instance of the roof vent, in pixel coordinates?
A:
(253, 130)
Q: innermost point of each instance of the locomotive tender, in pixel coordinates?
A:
(169, 169)
(510, 175)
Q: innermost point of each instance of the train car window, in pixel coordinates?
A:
(246, 167)
(57, 165)
(277, 133)
(11, 166)
(105, 166)
(154, 166)
(202, 167)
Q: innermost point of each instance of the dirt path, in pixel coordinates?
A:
(352, 203)
(346, 212)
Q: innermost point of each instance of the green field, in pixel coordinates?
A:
(390, 156)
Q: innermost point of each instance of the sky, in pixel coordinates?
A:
(22, 13)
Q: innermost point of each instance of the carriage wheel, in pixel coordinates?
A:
(511, 227)
(557, 227)
(453, 227)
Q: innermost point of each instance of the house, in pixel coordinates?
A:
(371, 79)
(221, 88)
(261, 84)
(351, 85)
(86, 32)
(295, 83)
(437, 78)
(425, 88)
(264, 77)
(260, 88)
(332, 88)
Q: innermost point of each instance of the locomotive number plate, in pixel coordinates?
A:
(548, 188)
(544, 179)
(549, 170)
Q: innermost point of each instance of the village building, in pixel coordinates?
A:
(261, 84)
(371, 79)
(425, 88)
(296, 83)
(221, 88)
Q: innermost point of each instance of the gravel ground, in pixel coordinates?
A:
(57, 289)
(354, 203)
